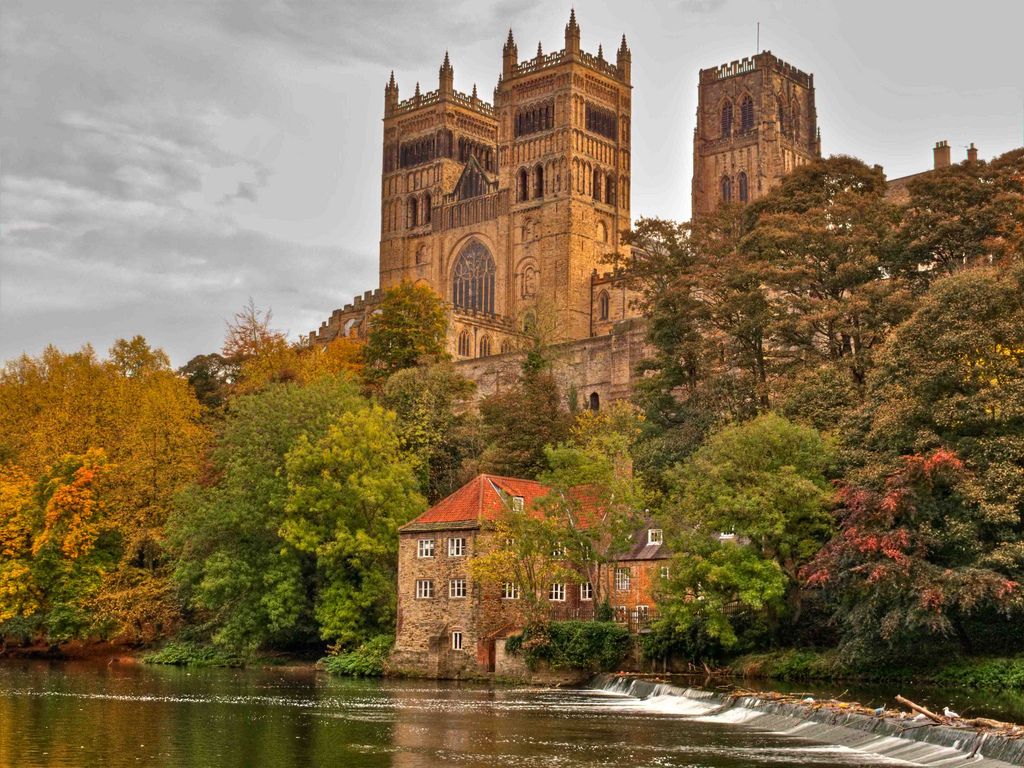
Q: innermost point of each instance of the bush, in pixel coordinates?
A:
(193, 655)
(592, 646)
(365, 661)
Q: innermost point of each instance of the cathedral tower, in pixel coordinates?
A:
(507, 210)
(756, 121)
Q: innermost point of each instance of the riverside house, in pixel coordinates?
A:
(450, 626)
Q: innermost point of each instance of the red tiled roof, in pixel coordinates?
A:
(481, 499)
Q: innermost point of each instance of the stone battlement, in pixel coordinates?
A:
(763, 60)
(436, 97)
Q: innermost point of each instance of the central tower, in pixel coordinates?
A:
(507, 210)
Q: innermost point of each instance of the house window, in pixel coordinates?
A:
(587, 591)
(622, 577)
(664, 571)
(642, 613)
(425, 548)
(509, 591)
(457, 641)
(456, 547)
(457, 588)
(557, 593)
(424, 589)
(518, 503)
(655, 536)
(558, 550)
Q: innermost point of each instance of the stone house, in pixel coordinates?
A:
(449, 625)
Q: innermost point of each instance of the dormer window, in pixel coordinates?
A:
(518, 503)
(655, 536)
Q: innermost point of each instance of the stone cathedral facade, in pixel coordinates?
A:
(509, 210)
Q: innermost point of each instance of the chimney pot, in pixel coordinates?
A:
(972, 153)
(941, 152)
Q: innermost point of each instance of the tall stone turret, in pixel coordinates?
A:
(446, 77)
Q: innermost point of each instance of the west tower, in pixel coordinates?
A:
(756, 122)
(507, 210)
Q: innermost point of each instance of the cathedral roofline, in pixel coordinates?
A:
(432, 98)
(763, 60)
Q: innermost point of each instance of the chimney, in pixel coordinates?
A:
(942, 158)
(972, 153)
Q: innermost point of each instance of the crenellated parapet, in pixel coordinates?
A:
(763, 60)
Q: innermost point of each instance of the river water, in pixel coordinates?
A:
(92, 714)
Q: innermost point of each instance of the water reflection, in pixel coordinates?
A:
(79, 714)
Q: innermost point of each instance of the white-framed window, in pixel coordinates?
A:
(509, 591)
(424, 588)
(558, 550)
(456, 547)
(457, 640)
(622, 578)
(518, 503)
(587, 591)
(425, 548)
(557, 593)
(664, 571)
(655, 536)
(457, 588)
(642, 613)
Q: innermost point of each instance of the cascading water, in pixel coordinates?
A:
(925, 746)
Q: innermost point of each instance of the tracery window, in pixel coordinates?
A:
(602, 121)
(534, 118)
(746, 114)
(473, 279)
(726, 189)
(485, 347)
(464, 344)
(603, 305)
(727, 119)
(744, 193)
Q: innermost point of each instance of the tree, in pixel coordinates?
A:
(763, 484)
(520, 421)
(409, 327)
(236, 574)
(913, 562)
(435, 424)
(826, 238)
(348, 493)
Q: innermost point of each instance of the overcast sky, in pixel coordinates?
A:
(164, 161)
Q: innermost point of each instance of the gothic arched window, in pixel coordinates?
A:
(603, 305)
(473, 279)
(726, 189)
(464, 344)
(747, 114)
(410, 216)
(506, 347)
(609, 189)
(597, 186)
(538, 182)
(426, 208)
(727, 119)
(782, 118)
(595, 401)
(744, 192)
(485, 347)
(524, 185)
(796, 122)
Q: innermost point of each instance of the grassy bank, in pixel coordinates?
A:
(794, 665)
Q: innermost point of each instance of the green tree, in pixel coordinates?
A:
(348, 493)
(239, 578)
(435, 424)
(520, 421)
(762, 483)
(410, 327)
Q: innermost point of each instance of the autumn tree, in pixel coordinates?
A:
(409, 327)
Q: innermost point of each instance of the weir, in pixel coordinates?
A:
(936, 745)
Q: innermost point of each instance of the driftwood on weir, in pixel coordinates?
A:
(921, 710)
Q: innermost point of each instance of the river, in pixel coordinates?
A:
(93, 714)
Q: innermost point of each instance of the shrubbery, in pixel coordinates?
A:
(593, 646)
(365, 661)
(193, 655)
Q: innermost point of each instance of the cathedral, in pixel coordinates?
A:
(510, 211)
